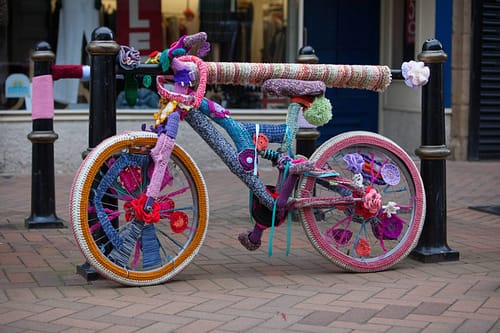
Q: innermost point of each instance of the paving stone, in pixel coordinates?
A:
(227, 288)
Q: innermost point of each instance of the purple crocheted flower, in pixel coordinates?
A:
(390, 174)
(128, 57)
(204, 49)
(246, 158)
(354, 162)
(390, 227)
(340, 236)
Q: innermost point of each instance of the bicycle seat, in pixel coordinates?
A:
(292, 87)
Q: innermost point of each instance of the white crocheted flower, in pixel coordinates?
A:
(390, 208)
(358, 180)
(416, 74)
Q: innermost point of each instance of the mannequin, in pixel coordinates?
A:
(77, 19)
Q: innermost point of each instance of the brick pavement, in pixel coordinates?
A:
(227, 289)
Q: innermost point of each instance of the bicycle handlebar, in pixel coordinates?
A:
(369, 77)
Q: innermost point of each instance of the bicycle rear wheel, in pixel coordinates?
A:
(114, 177)
(349, 235)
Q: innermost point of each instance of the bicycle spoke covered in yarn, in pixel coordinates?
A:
(126, 179)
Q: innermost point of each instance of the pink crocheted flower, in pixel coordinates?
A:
(373, 200)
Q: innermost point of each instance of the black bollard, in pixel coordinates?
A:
(102, 110)
(102, 113)
(306, 134)
(42, 137)
(432, 245)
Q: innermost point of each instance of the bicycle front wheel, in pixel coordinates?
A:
(350, 235)
(113, 179)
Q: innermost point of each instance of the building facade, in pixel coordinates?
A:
(348, 32)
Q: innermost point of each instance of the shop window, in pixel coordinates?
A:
(403, 34)
(238, 30)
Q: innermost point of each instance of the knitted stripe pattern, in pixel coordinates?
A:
(368, 77)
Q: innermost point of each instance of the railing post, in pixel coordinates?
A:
(102, 109)
(307, 134)
(43, 202)
(432, 245)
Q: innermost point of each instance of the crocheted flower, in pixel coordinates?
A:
(363, 248)
(416, 74)
(262, 142)
(128, 57)
(373, 200)
(178, 221)
(139, 212)
(358, 179)
(390, 174)
(391, 227)
(340, 236)
(354, 162)
(390, 208)
(246, 158)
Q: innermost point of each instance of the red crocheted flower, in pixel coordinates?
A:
(129, 211)
(371, 205)
(363, 248)
(178, 221)
(141, 215)
(262, 142)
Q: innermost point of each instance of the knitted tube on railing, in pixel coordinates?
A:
(160, 155)
(369, 77)
(227, 153)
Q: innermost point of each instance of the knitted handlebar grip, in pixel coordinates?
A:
(369, 77)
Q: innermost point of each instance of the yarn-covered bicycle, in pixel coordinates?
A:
(139, 205)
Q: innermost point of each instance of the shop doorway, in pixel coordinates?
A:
(346, 32)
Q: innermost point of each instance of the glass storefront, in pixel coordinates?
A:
(238, 30)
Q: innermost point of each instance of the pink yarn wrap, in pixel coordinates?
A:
(160, 155)
(42, 97)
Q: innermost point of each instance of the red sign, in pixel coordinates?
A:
(139, 25)
(410, 14)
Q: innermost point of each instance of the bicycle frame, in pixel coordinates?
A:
(342, 182)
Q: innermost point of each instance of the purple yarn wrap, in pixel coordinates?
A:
(291, 87)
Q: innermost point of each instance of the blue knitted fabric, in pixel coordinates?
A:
(150, 247)
(240, 136)
(105, 183)
(274, 132)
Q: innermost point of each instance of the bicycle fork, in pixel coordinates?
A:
(161, 155)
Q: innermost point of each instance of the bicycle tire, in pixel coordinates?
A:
(113, 174)
(336, 232)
